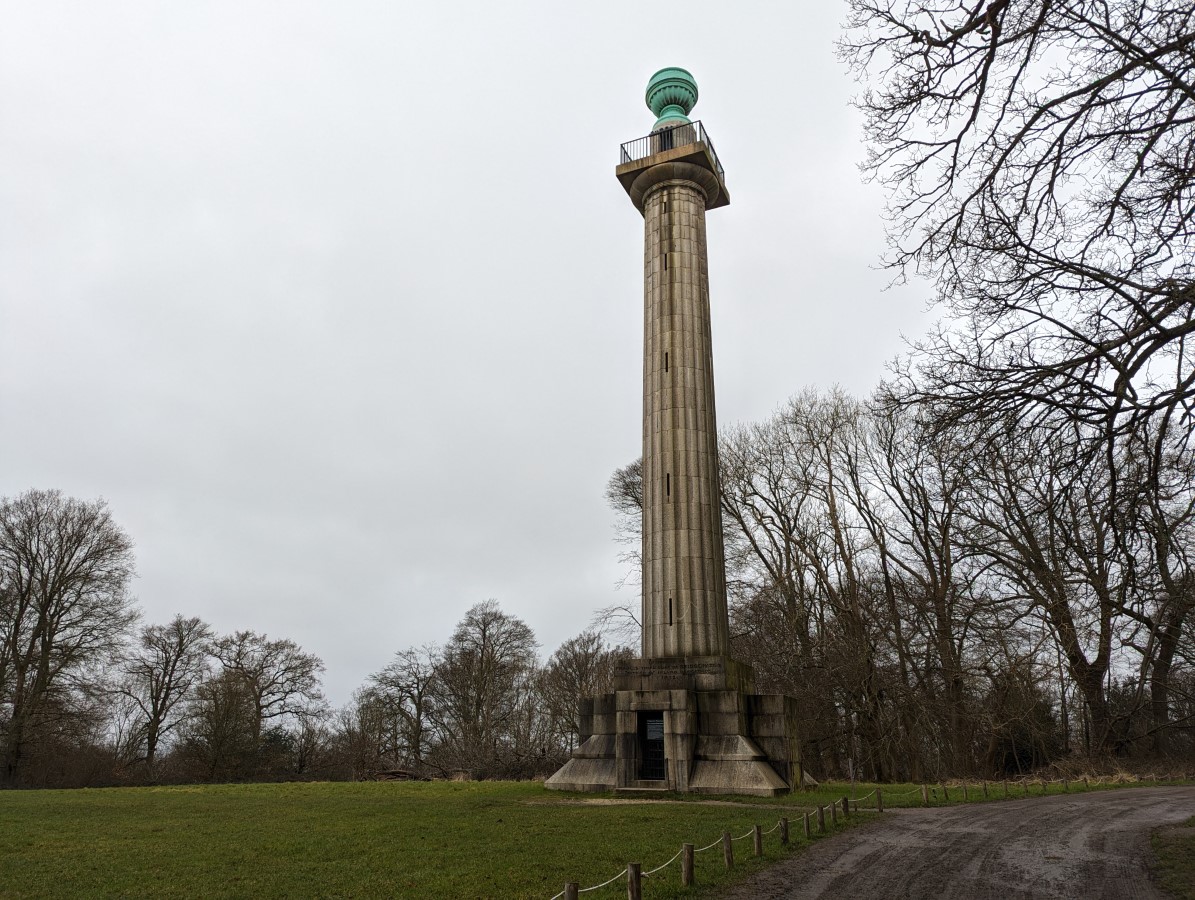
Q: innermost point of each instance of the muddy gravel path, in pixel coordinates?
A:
(1087, 845)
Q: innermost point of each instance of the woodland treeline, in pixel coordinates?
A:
(946, 606)
(89, 696)
(992, 563)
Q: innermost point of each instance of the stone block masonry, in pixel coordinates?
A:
(684, 573)
(684, 717)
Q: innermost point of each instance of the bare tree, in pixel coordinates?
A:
(1160, 527)
(1040, 161)
(279, 678)
(920, 484)
(483, 675)
(219, 741)
(64, 572)
(363, 736)
(1049, 529)
(583, 666)
(403, 693)
(159, 675)
(798, 531)
(624, 494)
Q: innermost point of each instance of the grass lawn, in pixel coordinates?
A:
(1175, 849)
(368, 839)
(479, 839)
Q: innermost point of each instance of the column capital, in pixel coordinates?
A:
(675, 173)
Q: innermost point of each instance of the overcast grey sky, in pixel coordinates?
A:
(339, 304)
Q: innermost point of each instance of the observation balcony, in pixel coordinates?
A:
(688, 142)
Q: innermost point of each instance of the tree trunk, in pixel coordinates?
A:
(13, 749)
(1159, 678)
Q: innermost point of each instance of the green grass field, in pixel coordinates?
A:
(372, 839)
(495, 839)
(1174, 848)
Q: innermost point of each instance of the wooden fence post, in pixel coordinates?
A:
(634, 881)
(846, 807)
(821, 820)
(808, 830)
(1026, 787)
(571, 889)
(1066, 786)
(833, 813)
(784, 830)
(985, 790)
(965, 797)
(925, 795)
(686, 865)
(757, 835)
(1005, 788)
(727, 850)
(945, 793)
(1086, 786)
(879, 800)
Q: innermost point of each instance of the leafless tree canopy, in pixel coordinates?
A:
(583, 666)
(64, 607)
(157, 676)
(963, 599)
(279, 679)
(482, 706)
(1039, 159)
(87, 700)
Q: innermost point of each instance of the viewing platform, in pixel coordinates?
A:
(687, 142)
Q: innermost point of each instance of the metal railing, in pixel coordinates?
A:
(669, 138)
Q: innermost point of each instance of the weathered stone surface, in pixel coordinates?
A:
(709, 744)
(751, 777)
(718, 736)
(691, 673)
(590, 775)
(598, 746)
(684, 572)
(730, 747)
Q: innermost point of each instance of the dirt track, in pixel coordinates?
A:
(1092, 845)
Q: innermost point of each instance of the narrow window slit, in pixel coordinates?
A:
(668, 484)
(665, 360)
(669, 610)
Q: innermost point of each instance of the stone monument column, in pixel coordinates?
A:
(685, 716)
(684, 572)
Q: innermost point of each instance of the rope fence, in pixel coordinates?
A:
(634, 873)
(603, 884)
(566, 892)
(666, 865)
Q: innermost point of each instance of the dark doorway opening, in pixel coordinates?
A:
(651, 746)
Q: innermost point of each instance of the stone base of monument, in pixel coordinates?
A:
(690, 724)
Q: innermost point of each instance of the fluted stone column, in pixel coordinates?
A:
(684, 573)
(685, 716)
